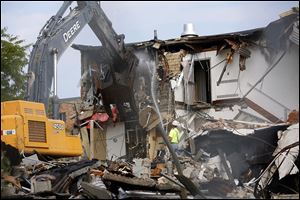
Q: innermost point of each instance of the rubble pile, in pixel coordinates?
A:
(82, 179)
(244, 169)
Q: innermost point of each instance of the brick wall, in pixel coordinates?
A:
(174, 60)
(67, 107)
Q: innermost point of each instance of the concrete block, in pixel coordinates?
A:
(40, 185)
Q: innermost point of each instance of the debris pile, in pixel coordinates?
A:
(226, 165)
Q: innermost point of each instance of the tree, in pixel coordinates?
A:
(13, 61)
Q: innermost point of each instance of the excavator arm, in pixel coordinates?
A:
(57, 35)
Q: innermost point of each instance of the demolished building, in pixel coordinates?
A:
(230, 87)
(244, 76)
(248, 79)
(234, 97)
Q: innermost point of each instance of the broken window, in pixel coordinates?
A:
(202, 81)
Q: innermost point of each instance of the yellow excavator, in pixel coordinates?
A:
(25, 126)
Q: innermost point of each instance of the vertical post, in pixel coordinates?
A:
(155, 34)
(92, 141)
(55, 103)
(55, 51)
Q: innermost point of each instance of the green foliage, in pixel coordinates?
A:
(13, 60)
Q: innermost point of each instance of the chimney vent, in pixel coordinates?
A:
(188, 30)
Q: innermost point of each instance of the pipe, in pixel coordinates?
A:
(55, 51)
(155, 34)
(55, 99)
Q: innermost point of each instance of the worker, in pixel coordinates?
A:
(174, 138)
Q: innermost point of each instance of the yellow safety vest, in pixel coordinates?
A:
(174, 134)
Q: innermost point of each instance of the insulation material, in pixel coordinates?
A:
(285, 161)
(178, 87)
(115, 141)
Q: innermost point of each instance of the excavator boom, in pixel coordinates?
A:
(57, 35)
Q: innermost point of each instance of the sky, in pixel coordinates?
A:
(137, 20)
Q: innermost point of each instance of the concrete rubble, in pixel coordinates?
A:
(247, 176)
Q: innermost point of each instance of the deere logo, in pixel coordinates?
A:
(71, 31)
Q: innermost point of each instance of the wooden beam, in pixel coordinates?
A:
(262, 111)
